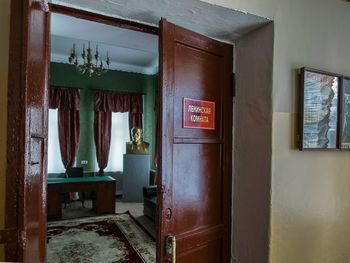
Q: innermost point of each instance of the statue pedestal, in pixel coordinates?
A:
(135, 176)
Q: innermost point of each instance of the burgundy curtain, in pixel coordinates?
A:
(69, 135)
(118, 102)
(67, 101)
(102, 136)
(106, 102)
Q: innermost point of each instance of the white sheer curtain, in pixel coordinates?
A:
(119, 136)
(54, 163)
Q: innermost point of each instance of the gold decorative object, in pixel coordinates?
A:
(89, 67)
(137, 145)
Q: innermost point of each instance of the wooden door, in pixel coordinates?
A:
(27, 130)
(195, 164)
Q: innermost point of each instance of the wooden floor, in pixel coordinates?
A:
(75, 210)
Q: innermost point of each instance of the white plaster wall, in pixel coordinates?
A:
(264, 8)
(310, 211)
(311, 33)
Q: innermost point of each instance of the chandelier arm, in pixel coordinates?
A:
(88, 66)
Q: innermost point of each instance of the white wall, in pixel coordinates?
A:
(253, 145)
(310, 212)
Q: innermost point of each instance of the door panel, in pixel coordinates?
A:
(195, 165)
(27, 130)
(192, 198)
(208, 253)
(37, 60)
(196, 80)
(35, 215)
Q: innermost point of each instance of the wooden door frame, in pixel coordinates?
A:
(95, 17)
(15, 131)
(16, 127)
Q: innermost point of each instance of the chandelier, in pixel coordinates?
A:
(89, 67)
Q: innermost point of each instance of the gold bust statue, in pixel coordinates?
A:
(137, 145)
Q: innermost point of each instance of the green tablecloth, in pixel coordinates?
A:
(80, 179)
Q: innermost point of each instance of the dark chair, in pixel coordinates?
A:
(71, 173)
(150, 201)
(75, 172)
(152, 177)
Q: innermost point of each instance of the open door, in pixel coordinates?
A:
(196, 145)
(27, 131)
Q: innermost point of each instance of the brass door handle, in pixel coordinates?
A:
(170, 247)
(173, 240)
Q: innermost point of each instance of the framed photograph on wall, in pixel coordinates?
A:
(319, 108)
(345, 114)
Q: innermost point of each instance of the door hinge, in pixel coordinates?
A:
(9, 236)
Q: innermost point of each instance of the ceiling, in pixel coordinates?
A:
(214, 21)
(136, 51)
(128, 50)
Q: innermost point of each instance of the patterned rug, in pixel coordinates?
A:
(104, 239)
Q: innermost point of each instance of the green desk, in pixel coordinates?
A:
(102, 186)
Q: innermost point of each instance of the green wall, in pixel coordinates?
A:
(66, 76)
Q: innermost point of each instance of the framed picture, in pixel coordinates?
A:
(345, 114)
(319, 105)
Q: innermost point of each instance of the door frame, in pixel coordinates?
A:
(95, 17)
(15, 172)
(16, 127)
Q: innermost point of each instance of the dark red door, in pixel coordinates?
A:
(27, 129)
(195, 164)
(34, 216)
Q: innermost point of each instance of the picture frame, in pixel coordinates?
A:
(319, 108)
(345, 114)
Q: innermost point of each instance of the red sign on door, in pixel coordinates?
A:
(198, 114)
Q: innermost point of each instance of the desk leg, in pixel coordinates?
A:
(54, 205)
(105, 198)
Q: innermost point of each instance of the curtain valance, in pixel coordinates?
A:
(106, 102)
(116, 102)
(64, 98)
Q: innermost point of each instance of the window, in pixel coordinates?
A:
(54, 163)
(119, 136)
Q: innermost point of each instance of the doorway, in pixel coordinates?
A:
(213, 140)
(125, 80)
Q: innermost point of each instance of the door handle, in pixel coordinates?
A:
(170, 247)
(34, 163)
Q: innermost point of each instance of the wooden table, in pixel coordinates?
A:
(102, 186)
